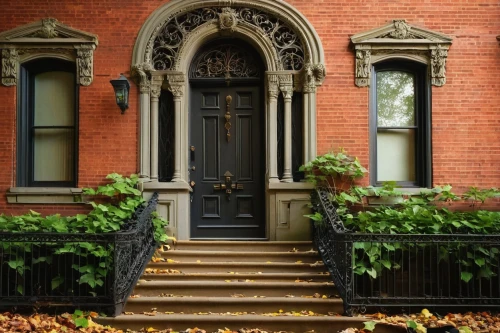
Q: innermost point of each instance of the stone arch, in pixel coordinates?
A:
(312, 47)
(293, 58)
(209, 31)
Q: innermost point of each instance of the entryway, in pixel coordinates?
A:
(226, 159)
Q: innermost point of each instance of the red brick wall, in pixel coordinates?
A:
(465, 111)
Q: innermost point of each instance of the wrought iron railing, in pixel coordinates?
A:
(420, 270)
(65, 271)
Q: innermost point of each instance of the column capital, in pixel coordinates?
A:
(313, 75)
(176, 84)
(156, 82)
(273, 86)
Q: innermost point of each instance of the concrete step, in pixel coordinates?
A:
(212, 322)
(240, 267)
(241, 256)
(230, 304)
(227, 289)
(283, 277)
(246, 246)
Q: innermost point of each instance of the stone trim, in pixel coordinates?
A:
(175, 79)
(280, 9)
(45, 195)
(47, 38)
(399, 39)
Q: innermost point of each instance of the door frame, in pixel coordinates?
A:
(216, 84)
(174, 196)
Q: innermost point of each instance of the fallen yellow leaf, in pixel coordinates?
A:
(298, 262)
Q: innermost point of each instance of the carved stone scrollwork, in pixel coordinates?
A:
(156, 82)
(10, 58)
(48, 29)
(438, 63)
(164, 46)
(401, 30)
(176, 83)
(228, 19)
(273, 86)
(400, 40)
(363, 63)
(47, 38)
(141, 73)
(313, 75)
(286, 85)
(84, 64)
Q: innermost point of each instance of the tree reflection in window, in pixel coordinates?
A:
(395, 99)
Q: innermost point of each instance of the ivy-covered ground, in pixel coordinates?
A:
(479, 322)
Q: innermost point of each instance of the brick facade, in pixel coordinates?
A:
(465, 111)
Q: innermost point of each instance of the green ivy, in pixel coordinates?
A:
(118, 201)
(420, 214)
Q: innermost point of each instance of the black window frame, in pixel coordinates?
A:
(25, 124)
(423, 121)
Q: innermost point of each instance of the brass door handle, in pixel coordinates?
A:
(228, 185)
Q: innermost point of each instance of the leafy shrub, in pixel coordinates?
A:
(120, 200)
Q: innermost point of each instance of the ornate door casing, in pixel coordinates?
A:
(295, 52)
(226, 164)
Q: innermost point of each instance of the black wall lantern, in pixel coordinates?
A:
(122, 88)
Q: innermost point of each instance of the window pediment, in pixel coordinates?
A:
(47, 37)
(402, 40)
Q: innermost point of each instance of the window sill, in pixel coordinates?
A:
(45, 195)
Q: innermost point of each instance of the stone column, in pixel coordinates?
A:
(286, 87)
(176, 85)
(156, 82)
(142, 73)
(145, 87)
(273, 91)
(309, 122)
(313, 77)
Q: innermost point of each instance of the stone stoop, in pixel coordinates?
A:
(274, 286)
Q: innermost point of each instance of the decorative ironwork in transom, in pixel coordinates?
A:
(173, 32)
(224, 61)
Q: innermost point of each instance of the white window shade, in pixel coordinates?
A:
(396, 155)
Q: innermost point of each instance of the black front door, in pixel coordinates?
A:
(226, 163)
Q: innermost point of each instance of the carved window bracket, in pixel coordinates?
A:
(47, 38)
(399, 39)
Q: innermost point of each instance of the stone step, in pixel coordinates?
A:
(240, 267)
(283, 277)
(241, 256)
(230, 304)
(246, 246)
(227, 289)
(212, 322)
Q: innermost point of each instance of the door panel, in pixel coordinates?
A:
(221, 163)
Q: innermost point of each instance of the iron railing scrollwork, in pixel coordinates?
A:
(168, 41)
(224, 61)
(421, 270)
(54, 284)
